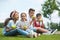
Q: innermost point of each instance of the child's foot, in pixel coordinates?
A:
(30, 36)
(53, 31)
(35, 35)
(38, 34)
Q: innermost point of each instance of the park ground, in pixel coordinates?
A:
(20, 37)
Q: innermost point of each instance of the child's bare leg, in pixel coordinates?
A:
(42, 30)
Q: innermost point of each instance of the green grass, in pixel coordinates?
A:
(42, 37)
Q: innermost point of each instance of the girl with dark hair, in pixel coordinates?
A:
(10, 24)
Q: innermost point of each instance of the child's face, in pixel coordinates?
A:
(38, 18)
(23, 16)
(31, 13)
(16, 16)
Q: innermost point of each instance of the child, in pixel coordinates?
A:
(38, 24)
(10, 24)
(31, 16)
(31, 19)
(24, 25)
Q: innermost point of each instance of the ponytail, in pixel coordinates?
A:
(6, 21)
(11, 17)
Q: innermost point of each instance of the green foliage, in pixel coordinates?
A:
(55, 26)
(59, 13)
(48, 7)
(1, 25)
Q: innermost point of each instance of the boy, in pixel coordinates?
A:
(38, 25)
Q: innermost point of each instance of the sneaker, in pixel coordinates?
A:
(38, 34)
(35, 35)
(31, 34)
(53, 31)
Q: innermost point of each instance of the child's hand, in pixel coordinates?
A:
(13, 27)
(41, 20)
(33, 18)
(25, 27)
(31, 22)
(7, 30)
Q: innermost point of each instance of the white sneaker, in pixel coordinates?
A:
(54, 31)
(38, 34)
(35, 34)
(31, 34)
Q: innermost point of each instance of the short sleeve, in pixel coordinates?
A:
(10, 23)
(18, 24)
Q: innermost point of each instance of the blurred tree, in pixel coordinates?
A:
(59, 6)
(59, 13)
(1, 25)
(55, 26)
(48, 7)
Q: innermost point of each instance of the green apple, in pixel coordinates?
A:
(33, 17)
(25, 27)
(14, 27)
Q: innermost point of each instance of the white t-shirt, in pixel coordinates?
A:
(21, 24)
(29, 19)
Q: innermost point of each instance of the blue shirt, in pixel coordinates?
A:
(10, 24)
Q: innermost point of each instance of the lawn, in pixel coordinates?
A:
(20, 37)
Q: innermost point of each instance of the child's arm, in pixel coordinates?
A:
(31, 22)
(42, 26)
(8, 29)
(34, 24)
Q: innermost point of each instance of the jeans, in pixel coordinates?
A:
(11, 33)
(16, 32)
(22, 32)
